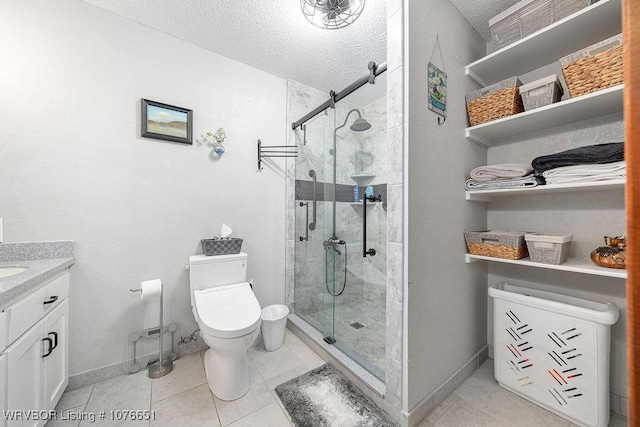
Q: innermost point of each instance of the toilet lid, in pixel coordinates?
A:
(228, 311)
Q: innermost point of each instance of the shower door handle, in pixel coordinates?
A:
(365, 252)
(312, 174)
(306, 226)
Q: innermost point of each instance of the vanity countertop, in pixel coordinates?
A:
(43, 259)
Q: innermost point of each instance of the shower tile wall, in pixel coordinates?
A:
(375, 268)
(395, 212)
(308, 297)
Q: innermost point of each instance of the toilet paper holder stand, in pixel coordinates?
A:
(163, 367)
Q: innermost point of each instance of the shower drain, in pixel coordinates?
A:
(357, 325)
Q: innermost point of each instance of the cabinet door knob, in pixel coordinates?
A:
(50, 341)
(51, 300)
(55, 339)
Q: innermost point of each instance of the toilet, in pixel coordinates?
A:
(228, 314)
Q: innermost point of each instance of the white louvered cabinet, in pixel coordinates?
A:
(554, 350)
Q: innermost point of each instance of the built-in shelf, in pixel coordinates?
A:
(586, 27)
(363, 179)
(573, 265)
(596, 104)
(488, 195)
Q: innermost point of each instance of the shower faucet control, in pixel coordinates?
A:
(332, 244)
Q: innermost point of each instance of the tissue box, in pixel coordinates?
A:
(221, 246)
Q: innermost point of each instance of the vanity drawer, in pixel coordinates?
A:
(26, 312)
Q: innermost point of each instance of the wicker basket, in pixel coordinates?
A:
(548, 248)
(497, 243)
(528, 16)
(594, 68)
(494, 102)
(221, 246)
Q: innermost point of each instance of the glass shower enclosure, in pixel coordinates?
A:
(341, 225)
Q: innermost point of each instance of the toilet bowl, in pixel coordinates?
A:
(229, 320)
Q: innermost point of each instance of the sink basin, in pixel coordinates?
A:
(10, 271)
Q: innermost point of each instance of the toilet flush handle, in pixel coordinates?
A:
(186, 267)
(251, 283)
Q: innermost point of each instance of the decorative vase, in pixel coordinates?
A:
(219, 149)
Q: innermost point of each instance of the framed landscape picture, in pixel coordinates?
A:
(167, 122)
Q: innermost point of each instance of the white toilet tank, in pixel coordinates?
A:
(211, 271)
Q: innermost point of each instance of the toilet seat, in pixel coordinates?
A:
(227, 311)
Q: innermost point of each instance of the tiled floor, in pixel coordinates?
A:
(367, 344)
(480, 401)
(182, 398)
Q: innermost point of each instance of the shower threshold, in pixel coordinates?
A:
(314, 339)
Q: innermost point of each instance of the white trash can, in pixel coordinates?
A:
(274, 322)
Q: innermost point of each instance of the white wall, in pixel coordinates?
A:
(72, 164)
(446, 297)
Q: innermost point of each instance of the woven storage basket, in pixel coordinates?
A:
(548, 249)
(221, 246)
(594, 68)
(494, 102)
(497, 243)
(528, 16)
(541, 92)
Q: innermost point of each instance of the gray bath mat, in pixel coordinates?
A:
(326, 398)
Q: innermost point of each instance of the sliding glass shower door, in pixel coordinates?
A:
(314, 215)
(340, 268)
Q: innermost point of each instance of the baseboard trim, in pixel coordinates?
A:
(422, 410)
(93, 376)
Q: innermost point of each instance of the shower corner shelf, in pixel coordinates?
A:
(363, 179)
(359, 204)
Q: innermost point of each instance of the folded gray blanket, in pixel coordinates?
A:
(591, 154)
(501, 171)
(498, 184)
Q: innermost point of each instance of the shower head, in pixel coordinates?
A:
(360, 125)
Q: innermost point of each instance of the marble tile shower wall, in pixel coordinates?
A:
(395, 203)
(309, 258)
(375, 268)
(356, 152)
(300, 100)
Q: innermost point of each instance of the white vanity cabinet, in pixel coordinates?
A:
(34, 363)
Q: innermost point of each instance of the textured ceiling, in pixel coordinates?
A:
(271, 35)
(274, 36)
(478, 12)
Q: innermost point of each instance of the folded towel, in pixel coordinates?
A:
(591, 154)
(502, 171)
(586, 173)
(498, 184)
